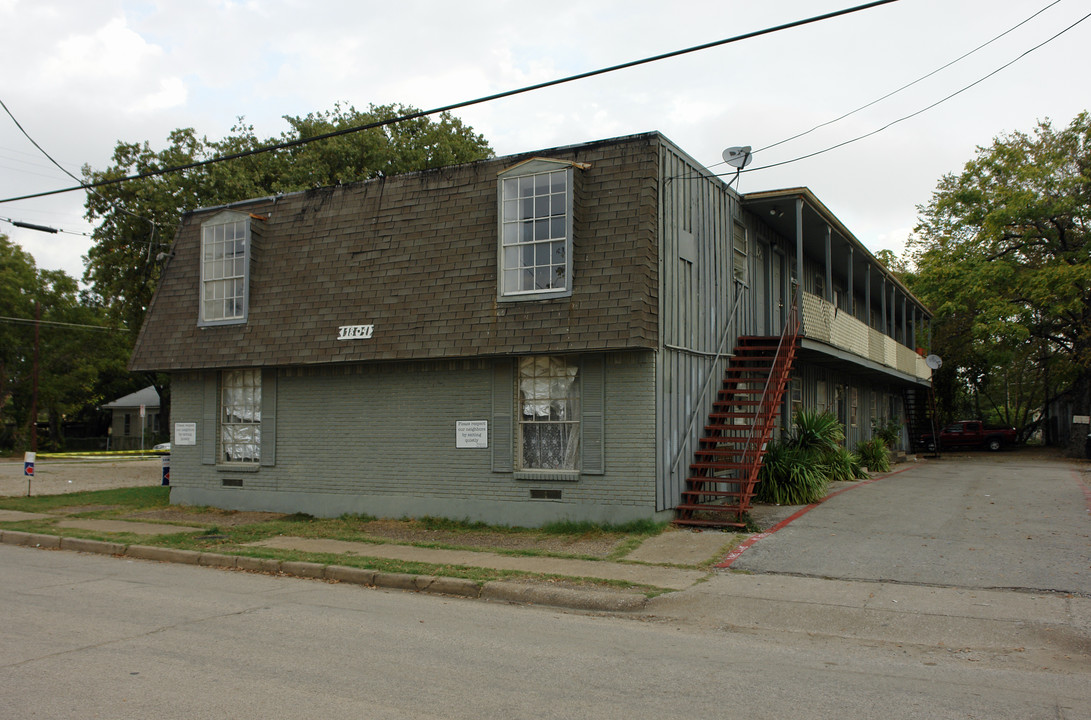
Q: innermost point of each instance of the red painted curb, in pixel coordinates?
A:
(742, 547)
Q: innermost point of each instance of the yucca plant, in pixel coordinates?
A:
(842, 465)
(791, 475)
(815, 430)
(890, 432)
(873, 454)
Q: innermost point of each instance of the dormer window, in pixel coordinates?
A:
(225, 269)
(536, 230)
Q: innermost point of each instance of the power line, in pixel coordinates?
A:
(32, 321)
(83, 185)
(922, 110)
(455, 106)
(911, 84)
(42, 228)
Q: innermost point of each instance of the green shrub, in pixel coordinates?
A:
(873, 454)
(842, 465)
(791, 475)
(890, 432)
(815, 430)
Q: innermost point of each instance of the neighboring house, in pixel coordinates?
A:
(517, 340)
(128, 430)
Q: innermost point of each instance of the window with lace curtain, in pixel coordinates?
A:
(549, 414)
(240, 416)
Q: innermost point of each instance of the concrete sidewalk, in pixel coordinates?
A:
(672, 561)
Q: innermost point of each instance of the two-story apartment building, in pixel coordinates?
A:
(516, 340)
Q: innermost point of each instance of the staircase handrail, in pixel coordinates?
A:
(731, 321)
(792, 324)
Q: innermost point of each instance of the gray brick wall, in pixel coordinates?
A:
(380, 440)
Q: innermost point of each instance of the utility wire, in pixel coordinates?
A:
(42, 228)
(911, 84)
(83, 185)
(455, 106)
(918, 112)
(32, 321)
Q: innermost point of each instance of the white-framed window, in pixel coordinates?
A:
(853, 406)
(548, 394)
(535, 230)
(225, 269)
(822, 400)
(240, 416)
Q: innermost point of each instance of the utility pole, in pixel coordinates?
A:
(34, 392)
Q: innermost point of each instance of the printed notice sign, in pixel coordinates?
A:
(471, 434)
(185, 434)
(1081, 419)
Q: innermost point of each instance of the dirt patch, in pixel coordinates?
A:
(77, 509)
(407, 531)
(205, 516)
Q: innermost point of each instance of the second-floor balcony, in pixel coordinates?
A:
(825, 329)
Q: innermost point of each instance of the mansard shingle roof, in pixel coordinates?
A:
(415, 256)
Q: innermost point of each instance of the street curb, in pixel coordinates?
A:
(508, 591)
(495, 590)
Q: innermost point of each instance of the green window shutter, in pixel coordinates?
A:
(269, 416)
(593, 403)
(503, 402)
(210, 414)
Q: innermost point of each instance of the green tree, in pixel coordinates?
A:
(137, 220)
(1002, 254)
(18, 281)
(75, 347)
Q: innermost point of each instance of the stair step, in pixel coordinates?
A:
(709, 523)
(716, 493)
(719, 466)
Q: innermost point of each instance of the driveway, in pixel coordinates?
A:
(1007, 520)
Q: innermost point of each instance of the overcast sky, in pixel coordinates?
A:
(82, 74)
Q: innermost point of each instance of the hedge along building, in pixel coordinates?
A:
(516, 340)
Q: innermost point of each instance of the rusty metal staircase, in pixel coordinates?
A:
(720, 487)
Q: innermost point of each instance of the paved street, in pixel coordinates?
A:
(91, 636)
(979, 520)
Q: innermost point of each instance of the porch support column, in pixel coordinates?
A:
(799, 256)
(893, 311)
(913, 330)
(905, 326)
(867, 294)
(882, 296)
(829, 265)
(850, 294)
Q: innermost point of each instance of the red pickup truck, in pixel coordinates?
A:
(971, 433)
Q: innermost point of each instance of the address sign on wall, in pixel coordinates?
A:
(355, 332)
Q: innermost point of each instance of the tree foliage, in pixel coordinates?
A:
(76, 348)
(137, 220)
(1003, 256)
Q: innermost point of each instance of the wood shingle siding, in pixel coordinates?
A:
(415, 256)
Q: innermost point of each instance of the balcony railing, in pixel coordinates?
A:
(822, 321)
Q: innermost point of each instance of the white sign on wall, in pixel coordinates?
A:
(1081, 419)
(185, 434)
(471, 434)
(355, 332)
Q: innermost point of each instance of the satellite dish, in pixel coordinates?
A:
(933, 361)
(738, 157)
